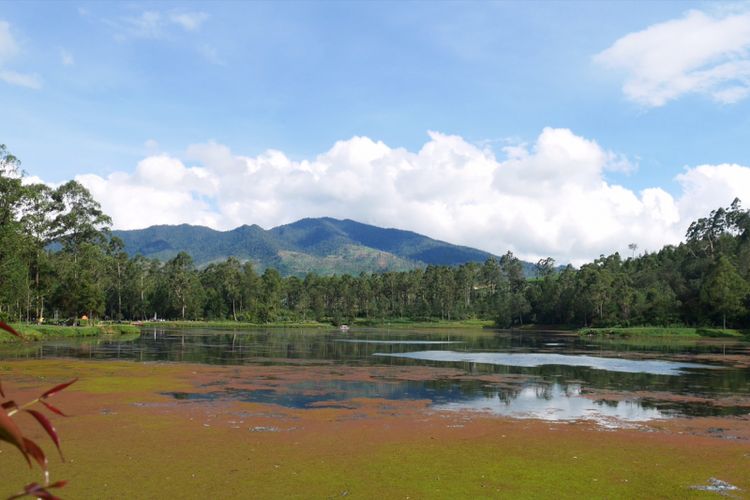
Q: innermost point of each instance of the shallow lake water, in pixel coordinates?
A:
(546, 375)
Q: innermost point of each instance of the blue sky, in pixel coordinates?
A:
(89, 90)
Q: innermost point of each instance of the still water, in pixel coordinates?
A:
(550, 376)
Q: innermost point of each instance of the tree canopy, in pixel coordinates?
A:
(59, 261)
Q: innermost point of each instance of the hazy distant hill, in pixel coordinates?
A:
(324, 245)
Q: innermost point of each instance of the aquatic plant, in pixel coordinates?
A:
(13, 434)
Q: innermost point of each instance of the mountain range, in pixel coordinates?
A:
(321, 245)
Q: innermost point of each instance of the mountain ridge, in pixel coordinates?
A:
(324, 245)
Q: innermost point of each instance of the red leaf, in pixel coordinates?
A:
(9, 404)
(36, 453)
(10, 432)
(56, 389)
(44, 422)
(52, 408)
(27, 490)
(10, 330)
(36, 490)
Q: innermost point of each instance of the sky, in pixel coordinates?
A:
(562, 129)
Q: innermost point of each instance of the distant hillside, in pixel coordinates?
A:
(323, 245)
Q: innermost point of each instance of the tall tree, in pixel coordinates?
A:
(725, 291)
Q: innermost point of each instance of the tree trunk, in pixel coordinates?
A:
(36, 287)
(143, 301)
(119, 293)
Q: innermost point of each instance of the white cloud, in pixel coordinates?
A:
(697, 53)
(546, 199)
(707, 187)
(66, 58)
(210, 54)
(151, 145)
(155, 24)
(8, 50)
(20, 79)
(147, 25)
(190, 21)
(8, 45)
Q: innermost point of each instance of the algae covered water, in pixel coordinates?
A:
(546, 375)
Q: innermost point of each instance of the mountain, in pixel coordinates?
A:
(322, 245)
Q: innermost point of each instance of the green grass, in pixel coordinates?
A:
(683, 332)
(392, 323)
(234, 325)
(406, 323)
(533, 327)
(40, 332)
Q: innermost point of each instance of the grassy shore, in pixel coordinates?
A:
(661, 331)
(404, 323)
(396, 323)
(234, 325)
(40, 332)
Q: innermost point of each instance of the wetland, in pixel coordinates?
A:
(322, 413)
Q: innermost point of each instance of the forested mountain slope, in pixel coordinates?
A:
(59, 261)
(323, 245)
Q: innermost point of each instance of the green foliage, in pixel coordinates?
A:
(323, 246)
(724, 291)
(40, 332)
(660, 331)
(58, 261)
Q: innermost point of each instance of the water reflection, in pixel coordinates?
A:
(536, 400)
(399, 342)
(550, 374)
(532, 360)
(558, 402)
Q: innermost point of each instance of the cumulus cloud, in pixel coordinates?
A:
(9, 49)
(549, 198)
(707, 187)
(697, 53)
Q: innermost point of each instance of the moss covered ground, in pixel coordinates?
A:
(127, 438)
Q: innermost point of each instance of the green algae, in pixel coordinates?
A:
(138, 451)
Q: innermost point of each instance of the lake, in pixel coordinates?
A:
(542, 375)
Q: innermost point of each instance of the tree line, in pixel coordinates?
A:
(58, 261)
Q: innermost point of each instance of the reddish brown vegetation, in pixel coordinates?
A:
(12, 433)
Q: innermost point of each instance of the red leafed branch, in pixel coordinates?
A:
(12, 433)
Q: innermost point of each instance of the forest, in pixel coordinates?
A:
(59, 261)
